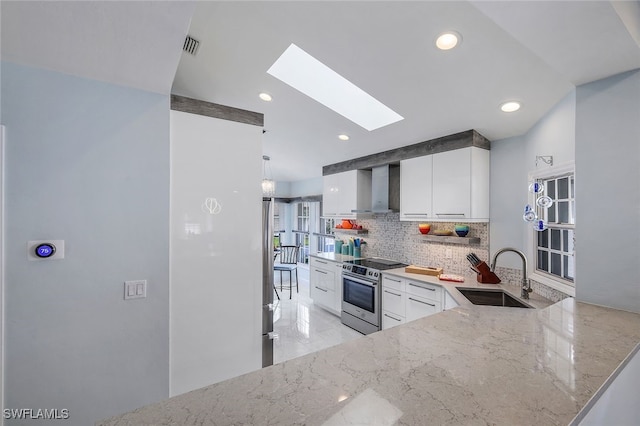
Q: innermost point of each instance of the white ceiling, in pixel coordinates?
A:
(532, 51)
(131, 43)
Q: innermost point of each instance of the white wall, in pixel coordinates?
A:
(608, 192)
(86, 162)
(216, 255)
(283, 189)
(508, 198)
(299, 188)
(512, 160)
(306, 187)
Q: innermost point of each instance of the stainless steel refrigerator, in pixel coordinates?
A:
(267, 282)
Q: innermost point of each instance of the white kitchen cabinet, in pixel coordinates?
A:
(461, 185)
(416, 187)
(405, 300)
(423, 299)
(325, 281)
(419, 307)
(389, 319)
(393, 301)
(331, 187)
(425, 290)
(197, 358)
(345, 192)
(393, 282)
(338, 287)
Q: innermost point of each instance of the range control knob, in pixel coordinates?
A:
(375, 275)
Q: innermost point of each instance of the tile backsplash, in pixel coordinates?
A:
(390, 238)
(514, 276)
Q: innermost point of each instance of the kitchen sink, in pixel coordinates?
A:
(491, 297)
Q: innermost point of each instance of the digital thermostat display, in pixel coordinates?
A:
(45, 250)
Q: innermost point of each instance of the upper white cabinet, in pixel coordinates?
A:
(461, 184)
(416, 175)
(330, 190)
(458, 186)
(345, 192)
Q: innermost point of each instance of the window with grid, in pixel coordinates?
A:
(555, 245)
(276, 225)
(326, 244)
(302, 231)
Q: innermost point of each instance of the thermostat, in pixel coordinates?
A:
(45, 250)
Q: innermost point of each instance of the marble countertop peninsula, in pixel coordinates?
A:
(471, 365)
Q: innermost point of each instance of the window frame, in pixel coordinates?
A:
(323, 222)
(302, 232)
(553, 281)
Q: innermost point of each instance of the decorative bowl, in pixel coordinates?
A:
(462, 230)
(424, 228)
(347, 224)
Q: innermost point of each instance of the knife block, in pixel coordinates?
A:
(485, 275)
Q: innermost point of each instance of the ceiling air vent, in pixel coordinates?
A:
(191, 45)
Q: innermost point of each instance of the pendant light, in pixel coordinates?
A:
(268, 184)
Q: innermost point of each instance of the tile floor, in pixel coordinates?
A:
(303, 328)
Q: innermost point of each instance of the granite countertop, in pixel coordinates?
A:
(468, 365)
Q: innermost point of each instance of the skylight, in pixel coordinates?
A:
(306, 74)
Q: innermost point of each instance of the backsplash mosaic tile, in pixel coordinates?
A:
(390, 238)
(514, 276)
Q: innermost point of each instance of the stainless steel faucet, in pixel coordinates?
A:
(526, 286)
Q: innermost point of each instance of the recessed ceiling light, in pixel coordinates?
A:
(510, 106)
(265, 97)
(306, 74)
(448, 40)
(343, 137)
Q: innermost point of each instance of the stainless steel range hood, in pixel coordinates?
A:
(385, 189)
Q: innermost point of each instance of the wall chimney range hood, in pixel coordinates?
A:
(385, 190)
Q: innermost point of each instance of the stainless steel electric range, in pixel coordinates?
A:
(361, 302)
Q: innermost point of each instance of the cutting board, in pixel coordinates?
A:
(413, 269)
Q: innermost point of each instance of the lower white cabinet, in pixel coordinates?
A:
(325, 281)
(405, 300)
(393, 301)
(418, 307)
(389, 319)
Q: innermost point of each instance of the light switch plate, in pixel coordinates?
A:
(136, 289)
